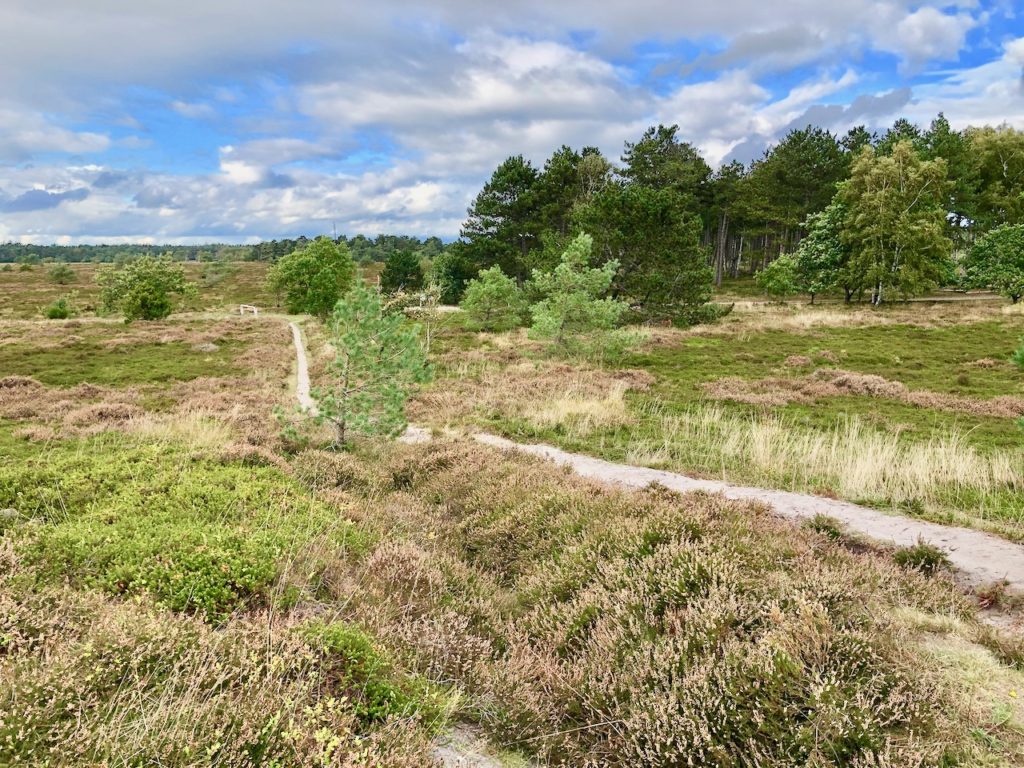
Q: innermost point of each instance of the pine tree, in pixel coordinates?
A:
(378, 360)
(575, 300)
(493, 301)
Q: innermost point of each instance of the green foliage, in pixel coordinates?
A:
(378, 360)
(198, 537)
(450, 271)
(896, 222)
(996, 261)
(822, 257)
(575, 300)
(663, 268)
(313, 278)
(998, 160)
(794, 179)
(364, 675)
(402, 272)
(1017, 358)
(493, 301)
(62, 274)
(923, 557)
(502, 225)
(780, 279)
(143, 289)
(661, 161)
(61, 309)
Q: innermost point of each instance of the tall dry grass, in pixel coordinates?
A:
(855, 461)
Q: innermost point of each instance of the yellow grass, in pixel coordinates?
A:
(855, 461)
(582, 412)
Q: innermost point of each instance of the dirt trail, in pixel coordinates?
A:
(301, 372)
(980, 557)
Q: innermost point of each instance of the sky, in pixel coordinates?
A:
(234, 121)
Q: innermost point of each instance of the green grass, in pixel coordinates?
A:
(932, 358)
(118, 366)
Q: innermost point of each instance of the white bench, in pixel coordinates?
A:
(243, 308)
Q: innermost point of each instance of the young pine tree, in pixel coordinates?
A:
(575, 301)
(493, 301)
(378, 360)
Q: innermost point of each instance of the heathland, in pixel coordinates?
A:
(184, 583)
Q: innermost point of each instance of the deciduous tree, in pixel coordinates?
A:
(996, 261)
(313, 278)
(896, 221)
(143, 289)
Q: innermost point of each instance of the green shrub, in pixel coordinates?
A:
(493, 301)
(363, 674)
(922, 557)
(827, 526)
(198, 536)
(143, 289)
(779, 279)
(59, 310)
(62, 274)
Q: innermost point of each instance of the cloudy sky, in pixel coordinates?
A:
(231, 120)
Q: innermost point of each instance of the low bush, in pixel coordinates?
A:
(60, 309)
(197, 536)
(923, 557)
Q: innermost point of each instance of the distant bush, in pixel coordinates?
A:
(60, 309)
(779, 279)
(143, 289)
(493, 301)
(62, 274)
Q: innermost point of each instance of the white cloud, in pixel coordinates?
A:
(927, 34)
(385, 126)
(24, 134)
(193, 110)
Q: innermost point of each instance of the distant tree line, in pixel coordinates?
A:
(362, 249)
(875, 216)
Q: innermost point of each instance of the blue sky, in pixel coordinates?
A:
(236, 121)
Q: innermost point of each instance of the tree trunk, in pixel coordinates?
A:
(720, 247)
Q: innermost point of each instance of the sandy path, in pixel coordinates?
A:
(980, 557)
(301, 372)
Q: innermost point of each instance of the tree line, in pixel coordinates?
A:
(872, 215)
(363, 249)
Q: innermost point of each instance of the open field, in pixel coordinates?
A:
(221, 285)
(911, 408)
(182, 585)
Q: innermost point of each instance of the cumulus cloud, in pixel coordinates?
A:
(390, 116)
